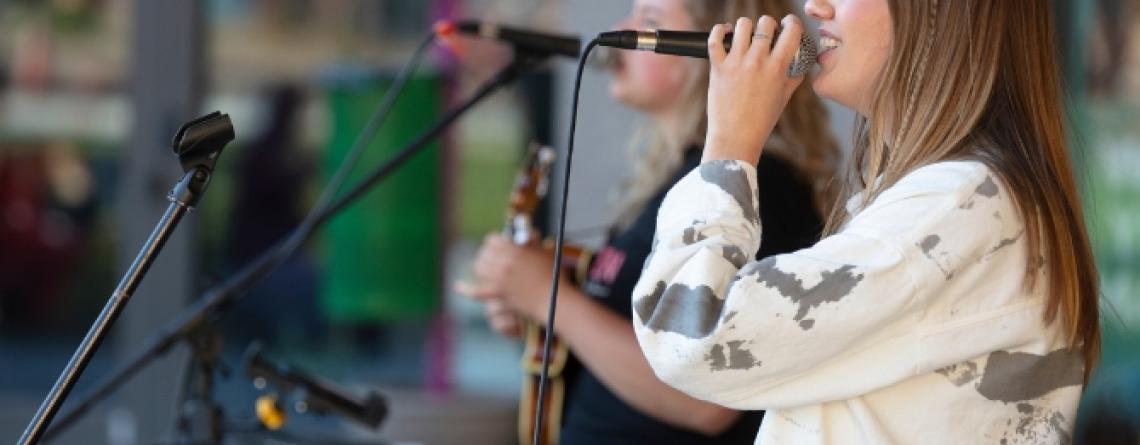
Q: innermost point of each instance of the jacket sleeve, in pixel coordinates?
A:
(828, 322)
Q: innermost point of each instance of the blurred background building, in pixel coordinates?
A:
(91, 91)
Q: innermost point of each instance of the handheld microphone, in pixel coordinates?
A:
(538, 43)
(695, 44)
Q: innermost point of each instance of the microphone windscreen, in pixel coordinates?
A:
(805, 57)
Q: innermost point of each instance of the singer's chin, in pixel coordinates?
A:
(622, 92)
(617, 93)
(619, 86)
(819, 86)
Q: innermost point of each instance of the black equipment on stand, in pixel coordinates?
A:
(211, 305)
(311, 394)
(197, 145)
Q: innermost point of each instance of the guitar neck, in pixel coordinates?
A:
(575, 261)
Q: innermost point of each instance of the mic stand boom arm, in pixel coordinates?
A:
(213, 302)
(197, 144)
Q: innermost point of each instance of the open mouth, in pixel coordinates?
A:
(828, 43)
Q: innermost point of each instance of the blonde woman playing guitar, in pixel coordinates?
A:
(611, 395)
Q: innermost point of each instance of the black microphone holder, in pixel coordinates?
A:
(317, 395)
(197, 145)
(196, 320)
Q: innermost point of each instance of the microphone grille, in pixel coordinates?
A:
(805, 58)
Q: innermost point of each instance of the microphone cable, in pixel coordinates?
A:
(682, 43)
(558, 240)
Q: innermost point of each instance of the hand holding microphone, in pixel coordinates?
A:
(754, 72)
(749, 86)
(696, 44)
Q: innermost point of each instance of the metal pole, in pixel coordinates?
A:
(111, 310)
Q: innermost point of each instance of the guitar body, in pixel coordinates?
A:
(534, 337)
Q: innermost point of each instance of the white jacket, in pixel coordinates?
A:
(910, 325)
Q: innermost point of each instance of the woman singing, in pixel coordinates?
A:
(953, 298)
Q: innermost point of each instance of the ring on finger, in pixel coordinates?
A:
(760, 35)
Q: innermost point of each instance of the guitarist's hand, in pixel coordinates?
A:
(517, 276)
(502, 318)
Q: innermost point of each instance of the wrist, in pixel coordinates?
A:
(723, 148)
(537, 307)
(571, 303)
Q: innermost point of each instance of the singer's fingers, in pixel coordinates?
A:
(763, 37)
(742, 37)
(789, 42)
(716, 44)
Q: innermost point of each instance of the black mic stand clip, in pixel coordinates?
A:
(198, 144)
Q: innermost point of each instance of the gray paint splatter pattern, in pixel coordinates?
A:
(692, 236)
(961, 373)
(927, 245)
(1015, 376)
(737, 358)
(1006, 242)
(733, 181)
(1020, 378)
(1036, 425)
(692, 312)
(987, 189)
(734, 255)
(835, 285)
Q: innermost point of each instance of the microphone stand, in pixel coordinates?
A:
(197, 144)
(196, 397)
(212, 304)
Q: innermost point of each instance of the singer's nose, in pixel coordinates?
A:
(819, 9)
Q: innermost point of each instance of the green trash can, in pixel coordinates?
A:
(383, 256)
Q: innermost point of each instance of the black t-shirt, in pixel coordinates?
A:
(594, 414)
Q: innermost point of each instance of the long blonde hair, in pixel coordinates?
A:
(801, 137)
(990, 91)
